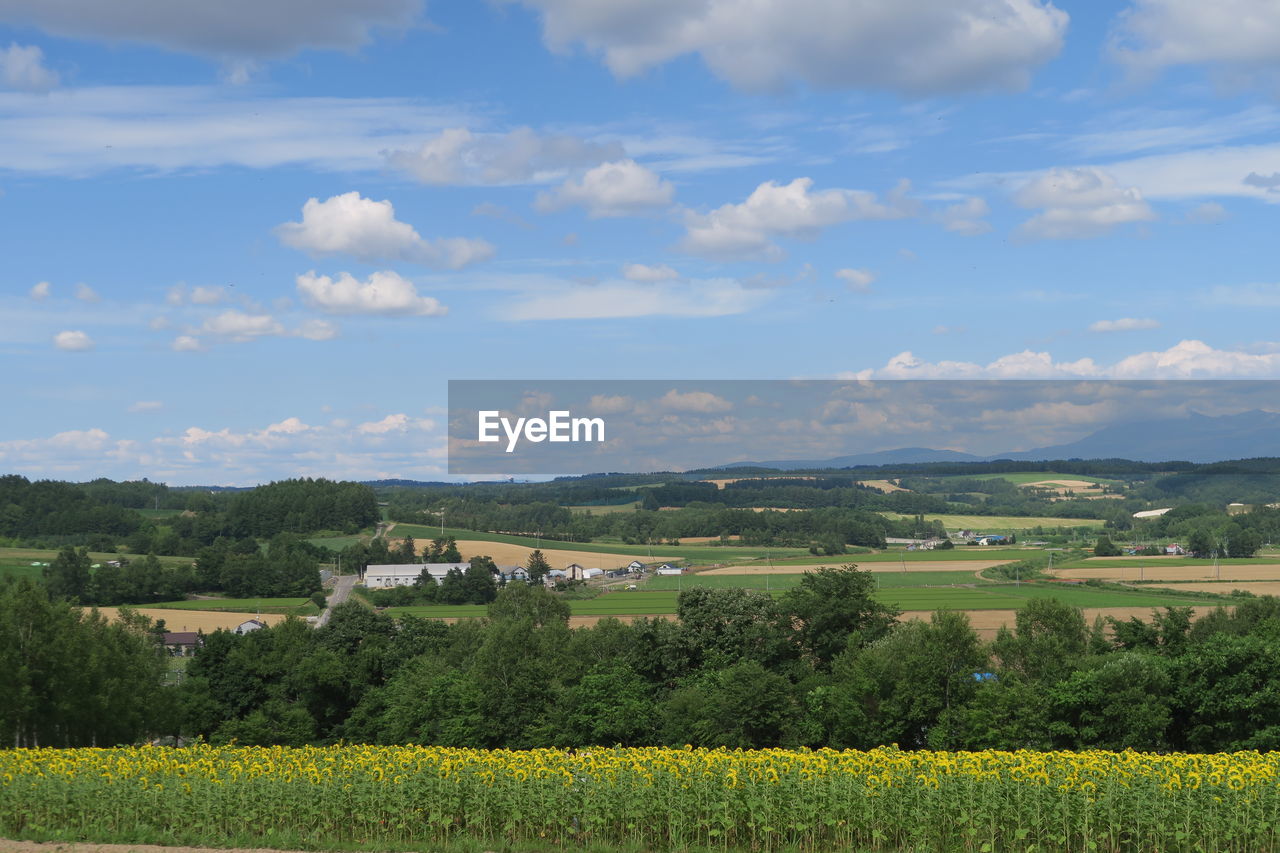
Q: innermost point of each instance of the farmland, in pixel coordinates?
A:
(196, 620)
(1026, 478)
(1001, 523)
(394, 798)
(17, 561)
(283, 606)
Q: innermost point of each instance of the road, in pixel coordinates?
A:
(341, 591)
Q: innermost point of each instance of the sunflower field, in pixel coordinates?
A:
(656, 798)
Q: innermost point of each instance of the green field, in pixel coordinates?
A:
(900, 555)
(17, 561)
(605, 509)
(296, 606)
(785, 582)
(999, 523)
(699, 553)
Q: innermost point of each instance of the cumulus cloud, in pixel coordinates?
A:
(859, 281)
(394, 423)
(1189, 359)
(694, 401)
(1125, 324)
(85, 293)
(369, 231)
(1209, 213)
(618, 299)
(73, 341)
(747, 230)
(384, 293)
(912, 46)
(521, 156)
(645, 272)
(317, 330)
(180, 294)
(621, 188)
(227, 30)
(1243, 35)
(967, 217)
(23, 68)
(186, 343)
(241, 326)
(40, 291)
(1079, 203)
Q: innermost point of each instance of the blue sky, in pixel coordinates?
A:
(244, 241)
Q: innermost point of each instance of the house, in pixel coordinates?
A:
(513, 573)
(182, 643)
(407, 574)
(1175, 549)
(250, 625)
(993, 540)
(574, 571)
(668, 569)
(635, 566)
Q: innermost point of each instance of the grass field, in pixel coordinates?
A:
(1000, 523)
(898, 555)
(17, 561)
(700, 553)
(606, 509)
(284, 606)
(784, 582)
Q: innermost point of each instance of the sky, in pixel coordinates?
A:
(247, 241)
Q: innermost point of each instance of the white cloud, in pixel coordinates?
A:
(458, 156)
(967, 217)
(694, 401)
(394, 423)
(85, 293)
(1125, 324)
(241, 326)
(72, 341)
(910, 46)
(317, 330)
(859, 281)
(384, 293)
(746, 229)
(1209, 213)
(645, 272)
(40, 291)
(23, 68)
(230, 29)
(1189, 359)
(146, 406)
(1242, 34)
(621, 188)
(85, 131)
(619, 300)
(369, 231)
(180, 294)
(1078, 203)
(186, 343)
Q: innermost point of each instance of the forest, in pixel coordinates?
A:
(823, 665)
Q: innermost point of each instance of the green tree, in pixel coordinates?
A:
(537, 566)
(67, 576)
(829, 605)
(526, 601)
(1104, 547)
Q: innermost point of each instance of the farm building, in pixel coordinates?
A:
(668, 569)
(406, 574)
(513, 573)
(250, 625)
(587, 574)
(635, 566)
(182, 643)
(1175, 550)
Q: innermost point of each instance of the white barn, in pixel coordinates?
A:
(406, 574)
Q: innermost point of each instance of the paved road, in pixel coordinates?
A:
(341, 590)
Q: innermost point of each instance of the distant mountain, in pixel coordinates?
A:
(1195, 438)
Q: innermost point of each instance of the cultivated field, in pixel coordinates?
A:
(1000, 523)
(652, 798)
(195, 620)
(1225, 587)
(883, 485)
(17, 561)
(282, 606)
(885, 566)
(1030, 478)
(607, 509)
(1201, 570)
(505, 554)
